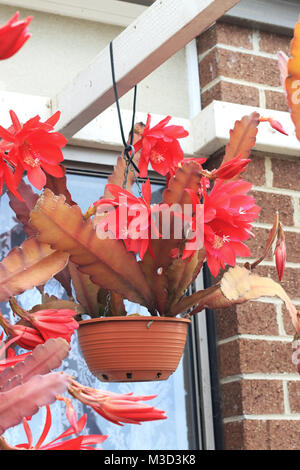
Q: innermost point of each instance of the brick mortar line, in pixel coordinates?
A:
(287, 377)
(286, 398)
(268, 172)
(241, 50)
(256, 40)
(282, 339)
(281, 191)
(279, 320)
(237, 81)
(287, 228)
(296, 205)
(274, 301)
(262, 98)
(266, 417)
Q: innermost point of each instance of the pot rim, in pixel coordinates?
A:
(134, 318)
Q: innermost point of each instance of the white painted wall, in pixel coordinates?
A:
(61, 46)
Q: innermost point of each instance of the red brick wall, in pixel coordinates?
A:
(238, 64)
(260, 387)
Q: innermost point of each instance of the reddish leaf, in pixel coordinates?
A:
(156, 278)
(23, 208)
(32, 264)
(86, 291)
(181, 273)
(43, 359)
(242, 137)
(272, 236)
(59, 185)
(26, 399)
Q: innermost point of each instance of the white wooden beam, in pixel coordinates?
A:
(103, 11)
(162, 30)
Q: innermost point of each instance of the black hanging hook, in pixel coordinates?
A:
(128, 148)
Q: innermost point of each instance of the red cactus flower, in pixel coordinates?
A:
(28, 338)
(12, 359)
(13, 35)
(7, 177)
(70, 413)
(129, 219)
(274, 124)
(34, 148)
(53, 323)
(50, 323)
(228, 213)
(231, 169)
(117, 408)
(160, 147)
(280, 252)
(76, 443)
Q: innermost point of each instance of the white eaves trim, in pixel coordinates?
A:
(271, 13)
(103, 11)
(25, 106)
(208, 131)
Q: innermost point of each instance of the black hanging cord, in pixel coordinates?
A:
(128, 148)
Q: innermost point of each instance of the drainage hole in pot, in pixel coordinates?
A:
(104, 376)
(158, 374)
(129, 375)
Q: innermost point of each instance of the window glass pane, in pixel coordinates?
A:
(175, 395)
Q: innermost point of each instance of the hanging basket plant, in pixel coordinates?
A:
(123, 248)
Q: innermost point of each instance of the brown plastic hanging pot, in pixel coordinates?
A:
(132, 348)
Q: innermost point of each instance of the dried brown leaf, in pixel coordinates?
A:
(52, 302)
(239, 285)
